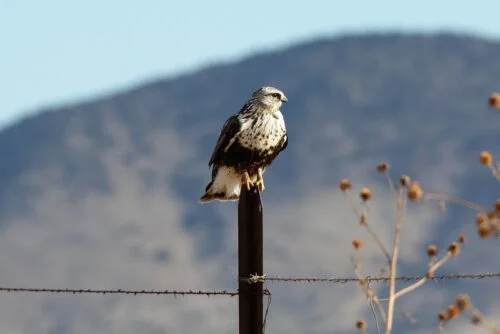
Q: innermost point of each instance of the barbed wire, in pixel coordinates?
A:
(127, 292)
(233, 293)
(123, 291)
(336, 280)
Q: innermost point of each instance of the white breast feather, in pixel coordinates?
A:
(272, 125)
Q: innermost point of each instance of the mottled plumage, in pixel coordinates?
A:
(248, 143)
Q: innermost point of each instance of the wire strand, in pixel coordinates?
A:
(123, 291)
(233, 293)
(336, 280)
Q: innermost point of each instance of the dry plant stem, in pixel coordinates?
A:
(391, 185)
(401, 206)
(353, 206)
(374, 234)
(379, 242)
(368, 290)
(371, 294)
(421, 281)
(495, 171)
(456, 200)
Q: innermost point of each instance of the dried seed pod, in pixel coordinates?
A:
(383, 167)
(453, 311)
(476, 318)
(481, 218)
(454, 248)
(361, 324)
(432, 250)
(486, 158)
(462, 302)
(494, 100)
(415, 192)
(365, 194)
(357, 243)
(345, 185)
(484, 231)
(443, 316)
(405, 180)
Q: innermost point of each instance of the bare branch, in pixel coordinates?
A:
(401, 208)
(429, 274)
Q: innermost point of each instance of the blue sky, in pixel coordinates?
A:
(54, 52)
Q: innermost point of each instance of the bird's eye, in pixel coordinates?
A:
(277, 95)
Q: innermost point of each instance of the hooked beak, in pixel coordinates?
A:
(284, 99)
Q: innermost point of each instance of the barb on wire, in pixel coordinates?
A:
(123, 292)
(256, 278)
(379, 279)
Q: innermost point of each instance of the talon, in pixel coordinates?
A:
(260, 180)
(247, 181)
(260, 185)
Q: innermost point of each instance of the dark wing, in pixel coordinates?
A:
(285, 144)
(226, 138)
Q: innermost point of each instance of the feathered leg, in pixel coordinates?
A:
(260, 180)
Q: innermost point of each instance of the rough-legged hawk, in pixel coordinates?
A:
(248, 143)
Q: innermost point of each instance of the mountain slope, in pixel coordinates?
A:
(103, 194)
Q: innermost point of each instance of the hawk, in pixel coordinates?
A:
(248, 143)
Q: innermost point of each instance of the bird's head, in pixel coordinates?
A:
(270, 97)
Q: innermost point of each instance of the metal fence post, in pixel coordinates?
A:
(250, 261)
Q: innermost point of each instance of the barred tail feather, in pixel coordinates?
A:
(219, 196)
